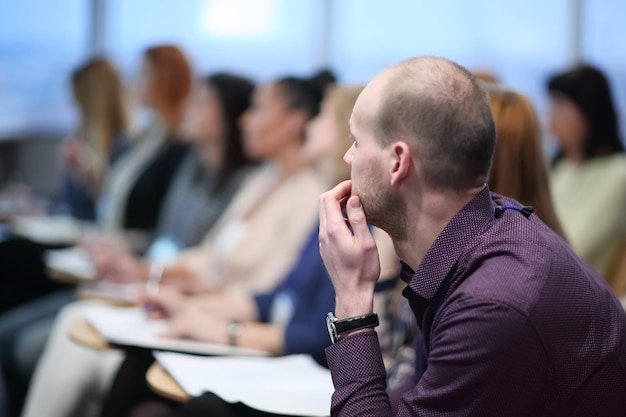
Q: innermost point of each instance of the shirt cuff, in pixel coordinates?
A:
(355, 357)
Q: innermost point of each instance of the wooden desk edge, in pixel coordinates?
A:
(162, 383)
(83, 294)
(84, 334)
(66, 278)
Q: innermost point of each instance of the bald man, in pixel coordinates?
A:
(512, 322)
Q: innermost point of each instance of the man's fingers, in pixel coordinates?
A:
(356, 217)
(341, 191)
(331, 202)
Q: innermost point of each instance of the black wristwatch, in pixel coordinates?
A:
(338, 328)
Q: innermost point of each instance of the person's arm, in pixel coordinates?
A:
(351, 257)
(232, 306)
(84, 163)
(196, 324)
(485, 359)
(123, 266)
(352, 261)
(170, 302)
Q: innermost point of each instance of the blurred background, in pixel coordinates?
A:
(42, 41)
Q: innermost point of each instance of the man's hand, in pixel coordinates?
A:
(351, 257)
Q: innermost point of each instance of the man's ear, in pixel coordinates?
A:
(401, 161)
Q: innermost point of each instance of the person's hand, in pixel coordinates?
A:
(351, 257)
(82, 161)
(194, 323)
(75, 156)
(98, 244)
(119, 266)
(166, 303)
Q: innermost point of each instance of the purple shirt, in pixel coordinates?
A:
(525, 328)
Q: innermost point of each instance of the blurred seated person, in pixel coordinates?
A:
(253, 245)
(213, 172)
(133, 192)
(201, 189)
(100, 139)
(519, 168)
(136, 185)
(98, 142)
(284, 320)
(270, 217)
(589, 172)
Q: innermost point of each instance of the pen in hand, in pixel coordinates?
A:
(152, 285)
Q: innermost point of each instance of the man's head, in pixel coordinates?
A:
(424, 117)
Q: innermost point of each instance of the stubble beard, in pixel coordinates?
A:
(382, 205)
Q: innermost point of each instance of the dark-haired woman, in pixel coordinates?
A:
(589, 173)
(210, 175)
(277, 205)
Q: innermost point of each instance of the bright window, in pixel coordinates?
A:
(258, 38)
(41, 42)
(603, 31)
(522, 42)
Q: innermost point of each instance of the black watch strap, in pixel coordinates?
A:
(356, 323)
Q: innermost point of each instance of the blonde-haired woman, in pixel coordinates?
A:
(328, 136)
(99, 139)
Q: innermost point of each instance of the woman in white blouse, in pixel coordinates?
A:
(589, 173)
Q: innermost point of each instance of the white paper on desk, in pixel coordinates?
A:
(72, 261)
(291, 385)
(130, 326)
(47, 229)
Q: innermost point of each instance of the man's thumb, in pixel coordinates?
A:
(354, 210)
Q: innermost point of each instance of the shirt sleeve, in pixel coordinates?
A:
(359, 376)
(263, 304)
(477, 367)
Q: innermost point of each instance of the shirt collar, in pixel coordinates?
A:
(447, 248)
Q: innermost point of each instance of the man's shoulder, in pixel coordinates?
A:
(520, 261)
(532, 270)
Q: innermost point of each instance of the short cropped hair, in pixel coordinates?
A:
(438, 107)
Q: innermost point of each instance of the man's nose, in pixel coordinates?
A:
(347, 157)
